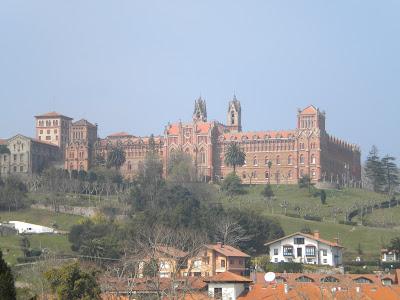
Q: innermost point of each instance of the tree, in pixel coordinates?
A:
(234, 156)
(267, 192)
(229, 232)
(180, 168)
(232, 185)
(395, 244)
(391, 173)
(374, 170)
(304, 182)
(116, 158)
(322, 195)
(7, 287)
(269, 171)
(69, 282)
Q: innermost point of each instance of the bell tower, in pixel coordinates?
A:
(234, 115)
(200, 111)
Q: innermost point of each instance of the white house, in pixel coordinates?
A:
(389, 255)
(23, 227)
(305, 248)
(227, 286)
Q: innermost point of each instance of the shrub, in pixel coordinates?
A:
(312, 218)
(232, 185)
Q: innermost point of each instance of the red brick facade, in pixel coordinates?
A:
(307, 149)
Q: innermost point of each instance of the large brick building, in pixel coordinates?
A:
(305, 150)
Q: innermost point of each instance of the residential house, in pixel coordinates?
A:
(216, 258)
(390, 255)
(169, 259)
(305, 248)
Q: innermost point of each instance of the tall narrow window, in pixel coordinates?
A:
(289, 160)
(302, 159)
(278, 160)
(313, 159)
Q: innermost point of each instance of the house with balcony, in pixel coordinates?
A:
(214, 259)
(388, 255)
(307, 249)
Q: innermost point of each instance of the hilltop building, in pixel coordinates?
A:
(27, 156)
(282, 156)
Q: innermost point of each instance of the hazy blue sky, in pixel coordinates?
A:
(135, 65)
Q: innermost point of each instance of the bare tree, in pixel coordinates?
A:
(229, 232)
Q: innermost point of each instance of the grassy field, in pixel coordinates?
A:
(41, 217)
(302, 201)
(10, 245)
(388, 217)
(370, 239)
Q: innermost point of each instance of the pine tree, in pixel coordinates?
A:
(374, 170)
(391, 173)
(7, 288)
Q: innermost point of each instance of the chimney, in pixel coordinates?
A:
(336, 239)
(286, 287)
(316, 234)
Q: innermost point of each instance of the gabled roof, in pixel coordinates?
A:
(53, 114)
(31, 139)
(227, 250)
(311, 109)
(171, 251)
(332, 244)
(83, 122)
(228, 277)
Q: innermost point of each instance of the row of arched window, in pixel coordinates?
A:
(289, 160)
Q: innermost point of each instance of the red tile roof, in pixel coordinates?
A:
(311, 109)
(120, 134)
(3, 141)
(83, 122)
(52, 114)
(333, 244)
(228, 277)
(227, 250)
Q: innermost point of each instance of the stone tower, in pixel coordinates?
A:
(200, 110)
(234, 115)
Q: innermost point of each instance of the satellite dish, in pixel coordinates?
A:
(269, 277)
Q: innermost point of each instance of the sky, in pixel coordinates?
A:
(136, 65)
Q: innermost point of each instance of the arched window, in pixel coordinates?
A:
(244, 175)
(302, 159)
(266, 160)
(202, 156)
(278, 160)
(289, 174)
(329, 279)
(289, 160)
(313, 159)
(304, 279)
(313, 174)
(266, 174)
(255, 161)
(254, 174)
(362, 280)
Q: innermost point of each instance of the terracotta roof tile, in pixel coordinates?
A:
(228, 277)
(120, 134)
(52, 114)
(311, 109)
(227, 250)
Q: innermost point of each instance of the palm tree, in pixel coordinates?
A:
(116, 158)
(234, 156)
